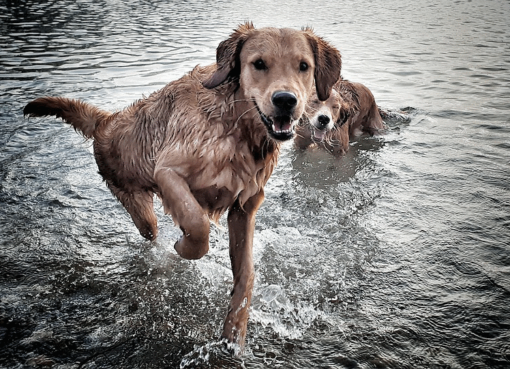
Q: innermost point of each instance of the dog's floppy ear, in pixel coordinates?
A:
(227, 56)
(347, 111)
(328, 64)
(344, 115)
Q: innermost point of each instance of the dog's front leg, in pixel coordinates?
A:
(186, 213)
(241, 226)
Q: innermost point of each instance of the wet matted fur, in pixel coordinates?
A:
(350, 111)
(208, 142)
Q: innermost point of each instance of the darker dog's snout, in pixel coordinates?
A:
(285, 101)
(323, 121)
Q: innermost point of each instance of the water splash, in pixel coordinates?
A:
(218, 354)
(272, 308)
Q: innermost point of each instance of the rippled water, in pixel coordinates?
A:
(393, 256)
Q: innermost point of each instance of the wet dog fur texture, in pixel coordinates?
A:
(208, 142)
(350, 111)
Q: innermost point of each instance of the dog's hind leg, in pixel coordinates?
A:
(186, 212)
(241, 227)
(140, 206)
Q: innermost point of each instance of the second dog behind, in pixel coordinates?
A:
(350, 111)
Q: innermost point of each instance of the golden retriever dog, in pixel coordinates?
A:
(349, 112)
(208, 142)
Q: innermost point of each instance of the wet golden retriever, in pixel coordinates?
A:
(208, 142)
(350, 111)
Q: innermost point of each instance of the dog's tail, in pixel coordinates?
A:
(395, 116)
(82, 116)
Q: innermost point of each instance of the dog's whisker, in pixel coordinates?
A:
(243, 114)
(243, 100)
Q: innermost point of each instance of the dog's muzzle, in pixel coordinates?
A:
(285, 102)
(281, 125)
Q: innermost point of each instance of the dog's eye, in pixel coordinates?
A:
(303, 67)
(259, 64)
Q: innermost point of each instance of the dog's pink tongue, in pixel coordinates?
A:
(319, 135)
(279, 127)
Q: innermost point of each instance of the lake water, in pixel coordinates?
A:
(396, 255)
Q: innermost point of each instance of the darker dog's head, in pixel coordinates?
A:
(324, 116)
(276, 69)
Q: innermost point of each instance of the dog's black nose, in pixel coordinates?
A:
(323, 120)
(284, 100)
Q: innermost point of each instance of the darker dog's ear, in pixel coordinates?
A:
(227, 56)
(344, 115)
(328, 64)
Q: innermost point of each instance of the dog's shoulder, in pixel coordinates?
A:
(349, 92)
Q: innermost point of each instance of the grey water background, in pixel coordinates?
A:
(393, 256)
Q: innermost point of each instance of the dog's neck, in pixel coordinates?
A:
(250, 128)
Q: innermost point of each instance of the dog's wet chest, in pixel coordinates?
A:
(242, 175)
(217, 187)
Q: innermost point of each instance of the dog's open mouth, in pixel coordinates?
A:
(319, 134)
(280, 127)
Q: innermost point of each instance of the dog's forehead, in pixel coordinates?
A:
(278, 42)
(334, 97)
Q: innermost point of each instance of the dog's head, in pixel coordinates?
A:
(327, 115)
(276, 70)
